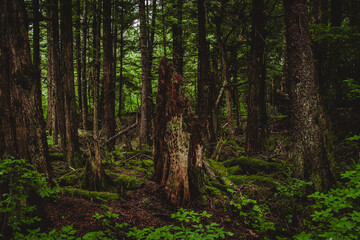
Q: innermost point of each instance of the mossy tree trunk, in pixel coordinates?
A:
(311, 144)
(177, 154)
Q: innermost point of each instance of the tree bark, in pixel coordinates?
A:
(94, 166)
(224, 64)
(170, 140)
(84, 105)
(72, 144)
(311, 144)
(109, 84)
(78, 53)
(146, 98)
(177, 141)
(203, 90)
(253, 136)
(22, 120)
(121, 79)
(54, 65)
(178, 51)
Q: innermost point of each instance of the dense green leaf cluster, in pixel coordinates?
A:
(336, 214)
(22, 181)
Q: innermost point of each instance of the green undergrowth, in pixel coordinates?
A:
(189, 225)
(248, 165)
(90, 195)
(123, 171)
(253, 179)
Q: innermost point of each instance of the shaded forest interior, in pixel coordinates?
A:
(202, 119)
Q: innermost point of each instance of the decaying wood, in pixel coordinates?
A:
(176, 142)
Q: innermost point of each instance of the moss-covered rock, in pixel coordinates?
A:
(90, 195)
(73, 178)
(254, 179)
(248, 165)
(123, 181)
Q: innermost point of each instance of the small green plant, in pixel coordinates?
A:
(354, 138)
(253, 213)
(110, 225)
(336, 213)
(187, 230)
(65, 233)
(293, 187)
(21, 178)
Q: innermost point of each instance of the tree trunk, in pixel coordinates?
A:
(109, 85)
(178, 51)
(78, 53)
(311, 145)
(177, 151)
(203, 90)
(22, 120)
(84, 105)
(94, 166)
(72, 144)
(253, 140)
(54, 65)
(121, 79)
(223, 54)
(146, 98)
(171, 142)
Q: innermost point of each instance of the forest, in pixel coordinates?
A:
(180, 119)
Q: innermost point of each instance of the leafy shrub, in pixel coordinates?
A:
(21, 178)
(336, 214)
(254, 214)
(195, 231)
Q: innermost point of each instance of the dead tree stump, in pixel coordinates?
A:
(172, 152)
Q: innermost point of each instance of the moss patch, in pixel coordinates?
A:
(54, 156)
(248, 165)
(123, 181)
(73, 178)
(255, 179)
(90, 195)
(218, 168)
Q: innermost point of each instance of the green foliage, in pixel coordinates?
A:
(109, 224)
(21, 179)
(65, 233)
(185, 231)
(353, 88)
(293, 187)
(253, 213)
(336, 213)
(354, 138)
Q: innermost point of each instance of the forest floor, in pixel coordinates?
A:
(129, 192)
